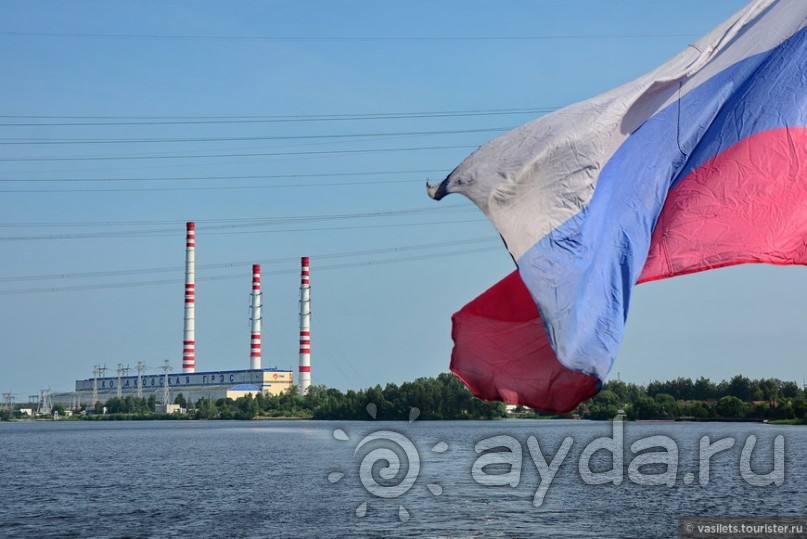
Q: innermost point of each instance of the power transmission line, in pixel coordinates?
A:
(206, 188)
(247, 177)
(232, 222)
(31, 142)
(215, 155)
(195, 120)
(172, 232)
(209, 188)
(233, 38)
(412, 258)
(267, 261)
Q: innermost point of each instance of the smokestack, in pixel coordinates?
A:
(305, 328)
(189, 342)
(255, 341)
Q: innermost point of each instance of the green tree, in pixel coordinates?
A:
(730, 406)
(645, 408)
(799, 407)
(602, 411)
(625, 392)
(205, 409)
(769, 389)
(260, 399)
(791, 390)
(740, 386)
(666, 405)
(698, 409)
(760, 410)
(704, 389)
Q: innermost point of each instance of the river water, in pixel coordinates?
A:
(257, 479)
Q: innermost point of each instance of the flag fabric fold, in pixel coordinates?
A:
(700, 164)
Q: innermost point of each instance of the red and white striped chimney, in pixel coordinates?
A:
(305, 328)
(255, 341)
(189, 340)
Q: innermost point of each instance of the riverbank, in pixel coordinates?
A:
(191, 417)
(446, 398)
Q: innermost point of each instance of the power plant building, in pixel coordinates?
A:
(193, 385)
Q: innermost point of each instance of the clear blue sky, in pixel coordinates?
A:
(355, 78)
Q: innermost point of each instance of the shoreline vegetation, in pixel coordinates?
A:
(446, 398)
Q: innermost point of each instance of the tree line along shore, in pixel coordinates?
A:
(446, 397)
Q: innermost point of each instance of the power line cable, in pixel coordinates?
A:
(251, 221)
(247, 177)
(240, 276)
(233, 38)
(356, 227)
(195, 120)
(172, 232)
(33, 142)
(266, 261)
(210, 156)
(208, 188)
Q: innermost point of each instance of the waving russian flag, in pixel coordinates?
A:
(700, 164)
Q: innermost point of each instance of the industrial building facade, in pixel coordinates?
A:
(193, 386)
